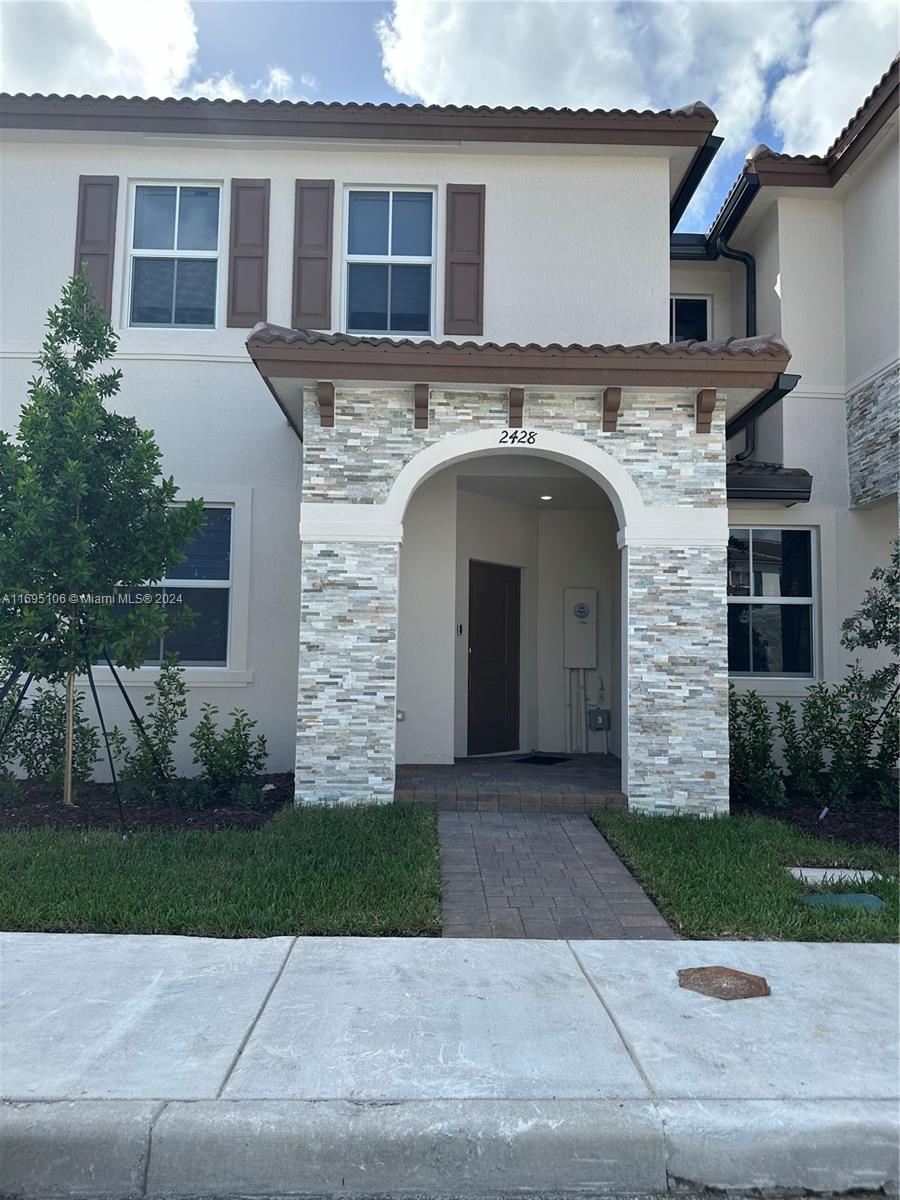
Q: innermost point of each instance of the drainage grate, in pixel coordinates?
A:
(542, 760)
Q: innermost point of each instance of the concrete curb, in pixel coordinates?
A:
(467, 1148)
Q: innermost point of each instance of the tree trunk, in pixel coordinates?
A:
(70, 738)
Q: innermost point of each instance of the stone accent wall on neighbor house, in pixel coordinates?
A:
(676, 606)
(873, 437)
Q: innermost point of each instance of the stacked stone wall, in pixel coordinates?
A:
(677, 699)
(873, 437)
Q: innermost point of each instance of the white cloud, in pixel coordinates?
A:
(730, 54)
(118, 47)
(850, 46)
(594, 55)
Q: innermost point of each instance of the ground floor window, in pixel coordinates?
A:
(771, 602)
(203, 581)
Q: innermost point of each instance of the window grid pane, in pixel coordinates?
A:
(154, 218)
(780, 639)
(208, 556)
(195, 292)
(204, 642)
(368, 223)
(152, 291)
(198, 218)
(410, 299)
(367, 296)
(411, 224)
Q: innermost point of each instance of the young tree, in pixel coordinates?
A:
(876, 624)
(85, 513)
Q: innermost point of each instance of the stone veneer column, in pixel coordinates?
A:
(347, 680)
(677, 681)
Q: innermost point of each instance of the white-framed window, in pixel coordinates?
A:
(389, 261)
(174, 255)
(772, 582)
(203, 583)
(690, 318)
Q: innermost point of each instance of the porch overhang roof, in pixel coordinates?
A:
(286, 358)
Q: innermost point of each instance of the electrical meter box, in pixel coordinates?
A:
(580, 627)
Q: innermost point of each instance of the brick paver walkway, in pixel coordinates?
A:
(537, 875)
(579, 783)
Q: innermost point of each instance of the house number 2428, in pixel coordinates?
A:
(516, 437)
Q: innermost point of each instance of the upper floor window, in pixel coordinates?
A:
(389, 262)
(689, 318)
(174, 255)
(770, 602)
(203, 581)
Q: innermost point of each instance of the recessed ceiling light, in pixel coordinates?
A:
(546, 497)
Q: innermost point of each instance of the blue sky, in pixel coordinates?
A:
(334, 41)
(789, 73)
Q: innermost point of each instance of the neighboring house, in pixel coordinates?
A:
(515, 444)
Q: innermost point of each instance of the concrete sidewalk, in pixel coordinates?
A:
(163, 1066)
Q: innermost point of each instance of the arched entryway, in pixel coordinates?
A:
(475, 527)
(509, 638)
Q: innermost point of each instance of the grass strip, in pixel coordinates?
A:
(726, 877)
(370, 871)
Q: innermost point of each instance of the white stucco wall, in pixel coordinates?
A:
(576, 247)
(578, 549)
(568, 237)
(223, 438)
(811, 266)
(872, 252)
(762, 243)
(723, 283)
(812, 250)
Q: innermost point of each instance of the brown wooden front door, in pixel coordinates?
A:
(493, 658)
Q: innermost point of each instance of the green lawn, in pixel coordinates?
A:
(725, 877)
(362, 870)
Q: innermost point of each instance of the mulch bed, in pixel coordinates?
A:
(41, 805)
(870, 824)
(95, 808)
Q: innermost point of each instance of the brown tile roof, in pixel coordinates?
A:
(688, 126)
(752, 363)
(767, 347)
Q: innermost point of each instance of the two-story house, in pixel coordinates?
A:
(468, 416)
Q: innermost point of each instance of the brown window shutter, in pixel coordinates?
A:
(464, 264)
(313, 223)
(248, 259)
(95, 233)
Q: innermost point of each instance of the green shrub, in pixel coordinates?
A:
(229, 760)
(842, 745)
(149, 767)
(194, 794)
(806, 744)
(40, 738)
(10, 788)
(752, 739)
(876, 625)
